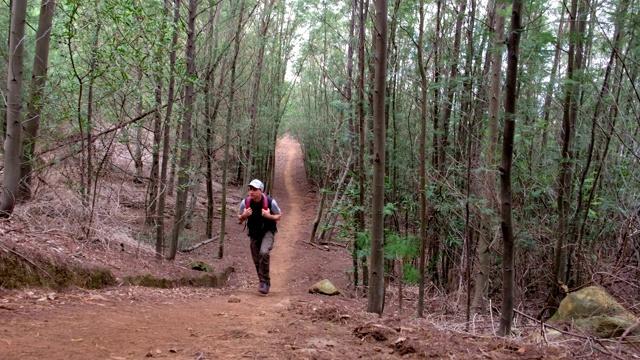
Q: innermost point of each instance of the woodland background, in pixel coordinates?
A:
(202, 89)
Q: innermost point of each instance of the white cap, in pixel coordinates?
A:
(257, 184)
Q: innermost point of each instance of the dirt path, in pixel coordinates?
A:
(184, 323)
(236, 322)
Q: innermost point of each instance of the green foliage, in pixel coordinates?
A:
(401, 246)
(411, 275)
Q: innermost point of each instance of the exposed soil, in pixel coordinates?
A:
(235, 321)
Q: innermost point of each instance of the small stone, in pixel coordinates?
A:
(233, 299)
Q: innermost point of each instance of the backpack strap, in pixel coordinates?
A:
(265, 202)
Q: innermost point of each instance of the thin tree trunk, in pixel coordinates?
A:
(363, 11)
(489, 194)
(325, 183)
(423, 171)
(565, 172)
(211, 112)
(333, 215)
(89, 122)
(38, 79)
(227, 138)
(572, 227)
(433, 233)
(582, 211)
(375, 299)
(13, 142)
(166, 131)
(152, 189)
(255, 97)
(508, 271)
(185, 153)
(552, 81)
(337, 203)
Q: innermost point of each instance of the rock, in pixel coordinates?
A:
(593, 309)
(325, 287)
(200, 266)
(233, 299)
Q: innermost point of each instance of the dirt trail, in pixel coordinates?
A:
(289, 197)
(184, 323)
(236, 322)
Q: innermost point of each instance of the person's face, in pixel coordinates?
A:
(254, 193)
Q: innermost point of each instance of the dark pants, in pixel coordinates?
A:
(260, 249)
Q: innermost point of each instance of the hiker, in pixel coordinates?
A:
(262, 213)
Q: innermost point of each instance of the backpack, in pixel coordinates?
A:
(265, 205)
(265, 202)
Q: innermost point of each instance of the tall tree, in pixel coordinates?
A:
(166, 134)
(566, 166)
(489, 193)
(508, 249)
(34, 107)
(363, 6)
(186, 148)
(423, 154)
(255, 96)
(377, 287)
(239, 10)
(212, 100)
(13, 141)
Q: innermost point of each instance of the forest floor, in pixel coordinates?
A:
(235, 321)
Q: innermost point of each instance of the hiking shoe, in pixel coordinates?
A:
(263, 288)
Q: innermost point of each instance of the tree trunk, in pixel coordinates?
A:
(432, 235)
(508, 271)
(211, 108)
(34, 108)
(423, 171)
(565, 172)
(227, 137)
(337, 203)
(333, 215)
(582, 211)
(13, 142)
(89, 122)
(364, 5)
(166, 134)
(152, 189)
(552, 80)
(375, 299)
(325, 182)
(489, 193)
(255, 97)
(185, 153)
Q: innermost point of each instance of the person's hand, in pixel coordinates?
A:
(247, 212)
(266, 213)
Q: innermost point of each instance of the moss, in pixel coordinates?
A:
(200, 266)
(208, 280)
(17, 272)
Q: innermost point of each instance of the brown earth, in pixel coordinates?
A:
(235, 321)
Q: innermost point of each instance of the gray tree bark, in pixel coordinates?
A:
(375, 298)
(185, 153)
(34, 108)
(13, 141)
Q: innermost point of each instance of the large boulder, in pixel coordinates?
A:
(592, 309)
(324, 287)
